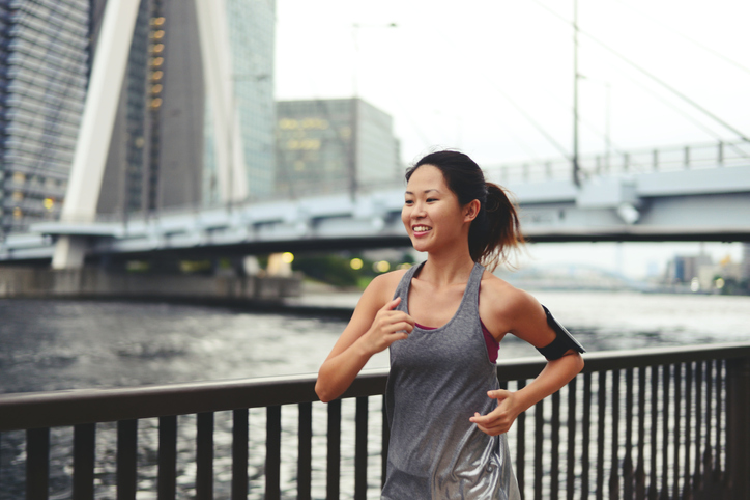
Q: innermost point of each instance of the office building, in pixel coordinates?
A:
(334, 146)
(43, 75)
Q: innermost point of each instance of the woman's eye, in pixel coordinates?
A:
(431, 199)
(407, 202)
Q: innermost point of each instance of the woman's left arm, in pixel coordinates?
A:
(527, 320)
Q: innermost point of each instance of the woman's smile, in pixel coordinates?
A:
(420, 230)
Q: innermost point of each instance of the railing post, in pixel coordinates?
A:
(240, 453)
(656, 159)
(204, 478)
(721, 154)
(273, 453)
(360, 447)
(333, 457)
(687, 156)
(37, 463)
(83, 453)
(127, 459)
(385, 438)
(166, 479)
(304, 451)
(738, 428)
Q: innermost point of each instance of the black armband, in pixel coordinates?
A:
(563, 342)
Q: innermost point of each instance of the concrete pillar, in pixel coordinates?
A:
(95, 134)
(70, 251)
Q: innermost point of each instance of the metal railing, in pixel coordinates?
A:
(666, 423)
(661, 159)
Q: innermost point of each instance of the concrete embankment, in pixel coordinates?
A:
(99, 284)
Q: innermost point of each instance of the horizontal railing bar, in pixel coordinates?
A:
(71, 407)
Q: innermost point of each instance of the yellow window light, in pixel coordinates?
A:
(287, 257)
(356, 263)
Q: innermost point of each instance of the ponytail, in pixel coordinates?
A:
(496, 232)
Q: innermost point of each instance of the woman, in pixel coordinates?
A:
(442, 321)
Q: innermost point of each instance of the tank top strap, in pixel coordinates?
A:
(471, 294)
(402, 290)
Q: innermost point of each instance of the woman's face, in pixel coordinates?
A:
(432, 214)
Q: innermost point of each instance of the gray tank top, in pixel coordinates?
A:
(438, 379)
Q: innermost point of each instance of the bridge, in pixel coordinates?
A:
(690, 193)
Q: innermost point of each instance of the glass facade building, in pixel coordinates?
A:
(252, 29)
(334, 146)
(43, 76)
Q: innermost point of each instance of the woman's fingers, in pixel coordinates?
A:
(498, 421)
(389, 326)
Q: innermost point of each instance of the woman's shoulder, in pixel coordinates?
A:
(382, 287)
(504, 297)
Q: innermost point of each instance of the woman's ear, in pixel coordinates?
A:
(471, 210)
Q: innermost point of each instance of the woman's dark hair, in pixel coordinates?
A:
(496, 231)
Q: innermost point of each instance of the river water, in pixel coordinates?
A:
(51, 345)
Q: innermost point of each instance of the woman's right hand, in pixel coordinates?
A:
(374, 326)
(388, 326)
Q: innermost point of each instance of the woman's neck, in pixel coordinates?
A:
(447, 269)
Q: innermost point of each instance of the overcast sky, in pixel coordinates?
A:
(456, 74)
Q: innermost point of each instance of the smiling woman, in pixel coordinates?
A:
(443, 320)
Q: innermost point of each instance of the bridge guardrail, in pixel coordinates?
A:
(668, 158)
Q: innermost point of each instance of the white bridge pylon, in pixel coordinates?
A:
(100, 109)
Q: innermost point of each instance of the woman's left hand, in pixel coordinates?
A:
(499, 420)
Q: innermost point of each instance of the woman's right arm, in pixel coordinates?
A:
(373, 327)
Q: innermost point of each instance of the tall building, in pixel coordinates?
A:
(43, 78)
(334, 146)
(252, 39)
(163, 150)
